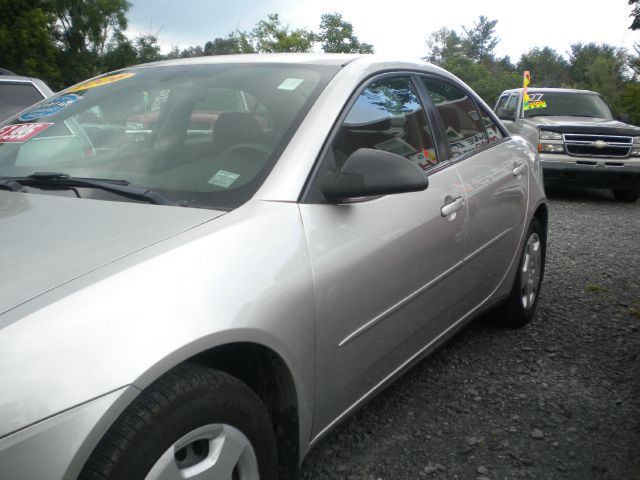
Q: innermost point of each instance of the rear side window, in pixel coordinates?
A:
(15, 97)
(387, 116)
(463, 126)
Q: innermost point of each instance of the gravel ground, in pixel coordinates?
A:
(558, 399)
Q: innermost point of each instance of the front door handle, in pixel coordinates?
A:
(451, 206)
(518, 169)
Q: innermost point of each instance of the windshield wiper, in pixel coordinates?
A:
(11, 184)
(54, 179)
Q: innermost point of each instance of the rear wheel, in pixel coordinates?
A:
(627, 196)
(193, 423)
(519, 307)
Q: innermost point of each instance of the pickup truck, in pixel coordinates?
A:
(579, 141)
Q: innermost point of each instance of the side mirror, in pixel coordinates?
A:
(369, 173)
(504, 114)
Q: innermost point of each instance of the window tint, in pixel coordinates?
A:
(387, 116)
(461, 120)
(15, 97)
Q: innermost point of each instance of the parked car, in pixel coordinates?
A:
(18, 93)
(579, 141)
(211, 301)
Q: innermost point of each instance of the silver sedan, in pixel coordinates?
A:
(209, 263)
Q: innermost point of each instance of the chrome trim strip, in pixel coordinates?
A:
(363, 328)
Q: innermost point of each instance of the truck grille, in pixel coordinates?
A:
(581, 145)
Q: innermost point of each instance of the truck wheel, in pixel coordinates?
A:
(627, 196)
(193, 422)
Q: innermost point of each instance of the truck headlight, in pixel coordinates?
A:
(550, 148)
(636, 140)
(547, 135)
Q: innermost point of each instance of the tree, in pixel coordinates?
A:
(235, 42)
(602, 68)
(635, 14)
(444, 45)
(479, 41)
(83, 30)
(271, 36)
(336, 36)
(27, 40)
(548, 68)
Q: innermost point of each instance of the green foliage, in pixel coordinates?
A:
(236, 42)
(548, 68)
(479, 41)
(629, 102)
(27, 40)
(471, 57)
(271, 36)
(336, 36)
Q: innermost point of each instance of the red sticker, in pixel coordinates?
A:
(21, 133)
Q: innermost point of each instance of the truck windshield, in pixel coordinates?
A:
(567, 104)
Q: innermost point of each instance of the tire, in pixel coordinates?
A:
(626, 196)
(518, 309)
(191, 420)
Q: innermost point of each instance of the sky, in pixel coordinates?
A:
(395, 27)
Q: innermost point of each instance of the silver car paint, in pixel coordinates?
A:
(80, 237)
(246, 277)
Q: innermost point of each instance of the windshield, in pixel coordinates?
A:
(200, 135)
(567, 104)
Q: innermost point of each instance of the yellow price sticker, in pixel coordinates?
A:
(533, 105)
(98, 82)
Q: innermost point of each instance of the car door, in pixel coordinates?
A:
(495, 179)
(385, 268)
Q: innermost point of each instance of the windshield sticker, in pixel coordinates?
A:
(50, 107)
(223, 179)
(98, 82)
(290, 84)
(21, 133)
(534, 105)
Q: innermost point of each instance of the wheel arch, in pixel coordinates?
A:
(268, 375)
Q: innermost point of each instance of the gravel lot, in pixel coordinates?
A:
(559, 399)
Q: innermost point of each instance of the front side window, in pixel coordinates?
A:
(463, 126)
(199, 135)
(387, 116)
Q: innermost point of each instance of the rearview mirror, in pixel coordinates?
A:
(368, 172)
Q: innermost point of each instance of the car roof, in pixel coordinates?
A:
(335, 59)
(16, 78)
(551, 90)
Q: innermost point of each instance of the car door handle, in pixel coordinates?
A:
(451, 206)
(518, 169)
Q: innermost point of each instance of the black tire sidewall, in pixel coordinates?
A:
(231, 404)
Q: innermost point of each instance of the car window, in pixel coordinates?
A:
(15, 97)
(568, 104)
(463, 127)
(502, 102)
(387, 116)
(494, 133)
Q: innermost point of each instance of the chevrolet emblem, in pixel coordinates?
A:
(600, 144)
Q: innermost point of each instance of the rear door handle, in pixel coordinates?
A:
(451, 206)
(518, 169)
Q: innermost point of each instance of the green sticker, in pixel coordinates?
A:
(223, 179)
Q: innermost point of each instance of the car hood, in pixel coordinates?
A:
(584, 125)
(46, 240)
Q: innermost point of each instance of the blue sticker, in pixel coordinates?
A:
(50, 107)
